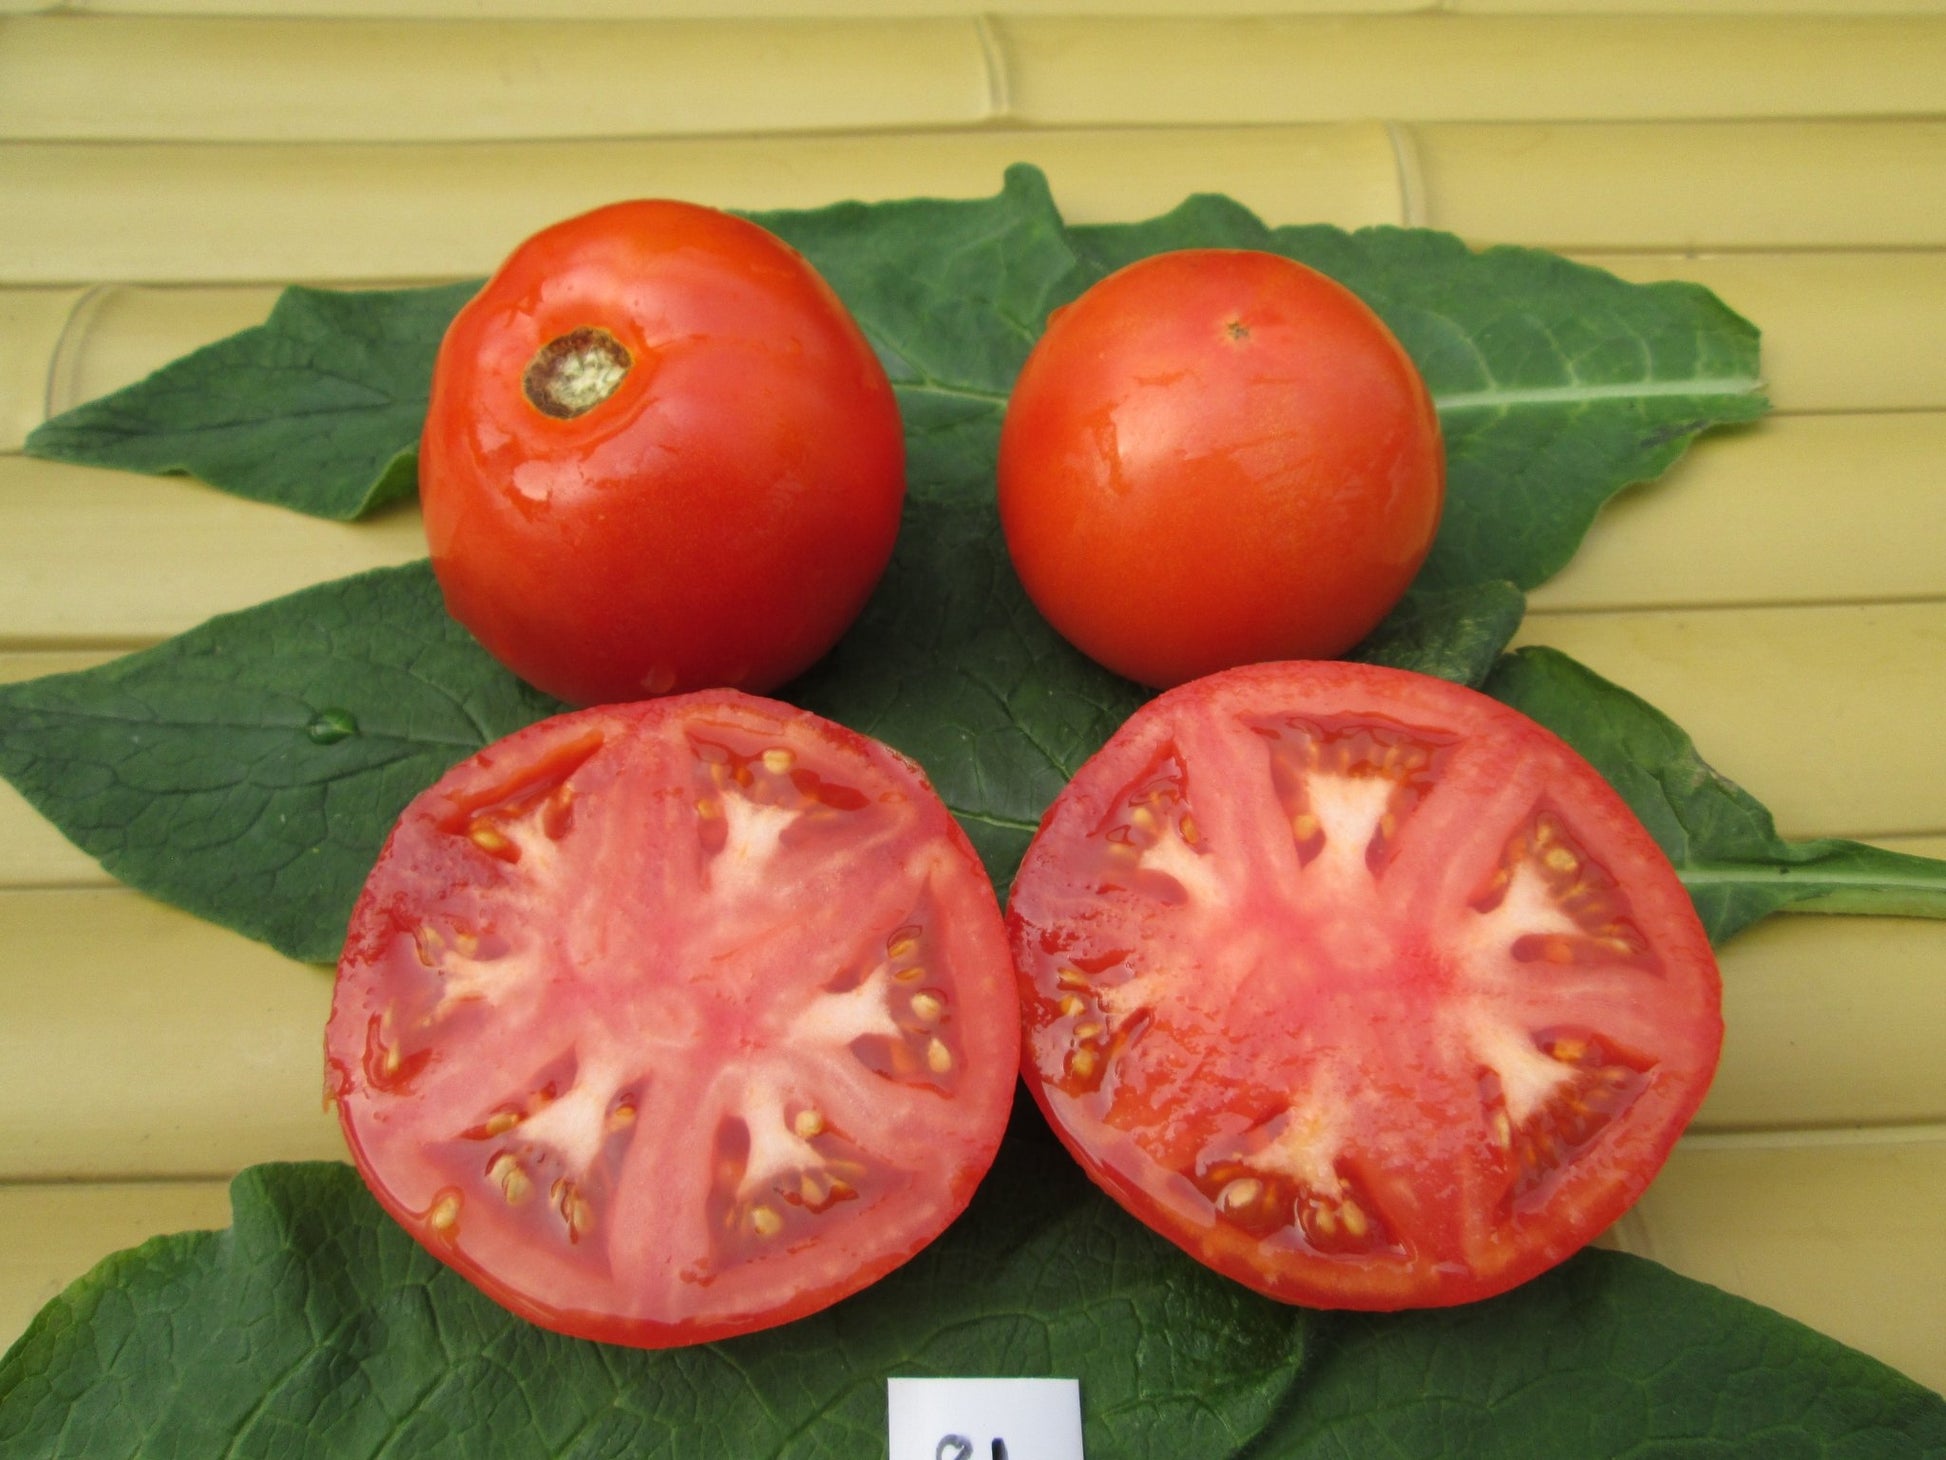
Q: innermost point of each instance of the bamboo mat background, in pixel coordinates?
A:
(1781, 593)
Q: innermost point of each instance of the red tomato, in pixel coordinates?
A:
(1359, 986)
(1215, 457)
(673, 1020)
(659, 456)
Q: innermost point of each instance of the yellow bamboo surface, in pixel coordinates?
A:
(1781, 593)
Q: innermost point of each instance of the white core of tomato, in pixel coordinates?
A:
(1348, 810)
(775, 1148)
(576, 1124)
(1529, 1079)
(750, 845)
(464, 977)
(833, 1021)
(1172, 857)
(1308, 1146)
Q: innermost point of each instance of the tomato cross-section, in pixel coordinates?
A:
(1359, 986)
(669, 1021)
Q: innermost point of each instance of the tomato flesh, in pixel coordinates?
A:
(1359, 986)
(670, 1021)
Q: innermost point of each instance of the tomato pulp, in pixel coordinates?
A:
(669, 1021)
(659, 456)
(1360, 986)
(1215, 457)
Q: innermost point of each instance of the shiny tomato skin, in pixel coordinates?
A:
(719, 519)
(670, 1021)
(1359, 986)
(1215, 457)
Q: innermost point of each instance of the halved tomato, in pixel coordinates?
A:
(668, 1021)
(1361, 987)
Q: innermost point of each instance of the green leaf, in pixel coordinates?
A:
(1557, 384)
(317, 1327)
(950, 663)
(249, 769)
(318, 408)
(1606, 1355)
(1720, 838)
(1453, 633)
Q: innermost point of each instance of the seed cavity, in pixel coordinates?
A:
(572, 374)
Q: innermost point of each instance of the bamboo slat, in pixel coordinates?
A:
(31, 325)
(74, 78)
(699, 9)
(216, 213)
(136, 1040)
(1831, 1021)
(720, 9)
(70, 77)
(1785, 493)
(1829, 715)
(1694, 185)
(109, 557)
(52, 1234)
(1842, 1235)
(1842, 331)
(1078, 71)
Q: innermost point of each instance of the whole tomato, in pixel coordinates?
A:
(1215, 457)
(659, 456)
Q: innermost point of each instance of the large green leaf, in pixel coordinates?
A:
(249, 770)
(1721, 839)
(316, 1327)
(1608, 1355)
(317, 409)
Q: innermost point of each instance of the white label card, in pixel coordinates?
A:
(984, 1419)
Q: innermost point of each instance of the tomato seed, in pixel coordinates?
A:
(808, 1123)
(443, 1218)
(939, 1059)
(928, 1007)
(778, 760)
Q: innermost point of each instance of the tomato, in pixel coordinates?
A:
(1215, 457)
(673, 1020)
(659, 456)
(1359, 986)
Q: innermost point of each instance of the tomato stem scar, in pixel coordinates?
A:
(572, 374)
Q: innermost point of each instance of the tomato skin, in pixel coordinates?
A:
(719, 519)
(671, 1021)
(1215, 457)
(1359, 986)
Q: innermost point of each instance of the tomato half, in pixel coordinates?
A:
(659, 456)
(1361, 987)
(674, 1020)
(1216, 457)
